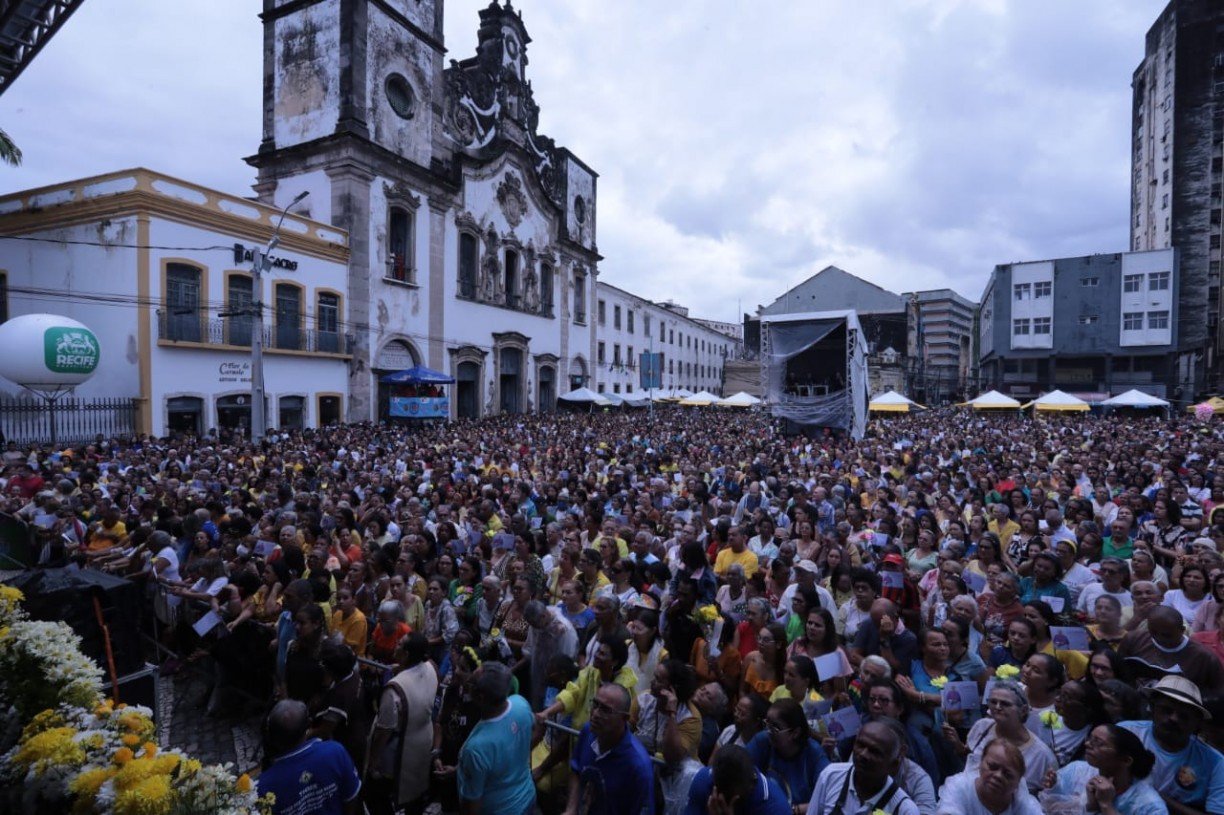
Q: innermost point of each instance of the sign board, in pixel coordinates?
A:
(650, 370)
(69, 350)
(420, 407)
(234, 372)
(48, 351)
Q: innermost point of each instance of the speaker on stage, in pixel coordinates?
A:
(77, 596)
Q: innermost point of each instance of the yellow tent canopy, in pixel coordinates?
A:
(1217, 405)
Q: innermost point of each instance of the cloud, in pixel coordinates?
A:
(741, 146)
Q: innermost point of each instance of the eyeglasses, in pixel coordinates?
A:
(777, 727)
(1000, 703)
(879, 700)
(1099, 744)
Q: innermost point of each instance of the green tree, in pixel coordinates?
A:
(10, 153)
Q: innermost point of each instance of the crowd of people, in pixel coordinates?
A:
(688, 612)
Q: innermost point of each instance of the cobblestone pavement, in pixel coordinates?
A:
(183, 723)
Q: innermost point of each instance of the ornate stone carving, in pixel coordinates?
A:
(490, 268)
(512, 200)
(400, 193)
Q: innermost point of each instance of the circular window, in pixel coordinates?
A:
(401, 96)
(580, 209)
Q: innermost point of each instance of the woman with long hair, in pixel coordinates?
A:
(763, 668)
(786, 752)
(1192, 593)
(1039, 613)
(1205, 617)
(820, 639)
(646, 648)
(747, 720)
(1113, 775)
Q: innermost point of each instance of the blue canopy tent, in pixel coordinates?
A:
(416, 394)
(418, 375)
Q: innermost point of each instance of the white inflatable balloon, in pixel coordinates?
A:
(47, 351)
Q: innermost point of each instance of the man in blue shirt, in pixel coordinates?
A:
(306, 775)
(733, 784)
(611, 770)
(1189, 774)
(494, 771)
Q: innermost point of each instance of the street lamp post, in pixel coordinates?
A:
(259, 263)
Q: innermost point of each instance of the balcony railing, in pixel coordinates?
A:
(238, 331)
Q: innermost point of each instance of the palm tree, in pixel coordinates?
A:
(10, 153)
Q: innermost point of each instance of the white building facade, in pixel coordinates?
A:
(148, 263)
(626, 326)
(472, 235)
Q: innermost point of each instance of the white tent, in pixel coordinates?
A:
(683, 393)
(700, 399)
(1135, 399)
(992, 400)
(581, 395)
(1058, 401)
(892, 402)
(741, 399)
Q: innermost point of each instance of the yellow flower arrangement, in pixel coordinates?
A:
(939, 682)
(1007, 672)
(1051, 720)
(84, 754)
(152, 796)
(41, 722)
(87, 784)
(50, 748)
(707, 614)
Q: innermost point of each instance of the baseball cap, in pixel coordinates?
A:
(894, 559)
(807, 566)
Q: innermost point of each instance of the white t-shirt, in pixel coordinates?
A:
(1088, 597)
(959, 797)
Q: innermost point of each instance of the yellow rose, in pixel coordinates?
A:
(244, 783)
(939, 682)
(1007, 672)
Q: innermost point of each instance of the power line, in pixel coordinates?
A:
(109, 245)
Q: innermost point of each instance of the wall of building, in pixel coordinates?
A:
(150, 351)
(693, 354)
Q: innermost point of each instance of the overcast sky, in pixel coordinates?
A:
(742, 145)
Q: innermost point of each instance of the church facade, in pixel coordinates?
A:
(472, 236)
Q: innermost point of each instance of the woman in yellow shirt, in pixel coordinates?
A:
(349, 622)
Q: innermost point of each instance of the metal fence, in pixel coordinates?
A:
(27, 419)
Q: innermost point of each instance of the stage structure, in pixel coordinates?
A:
(814, 369)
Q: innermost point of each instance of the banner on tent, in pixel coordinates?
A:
(420, 407)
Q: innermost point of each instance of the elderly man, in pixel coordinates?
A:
(611, 772)
(549, 633)
(494, 771)
(884, 634)
(306, 774)
(865, 783)
(1188, 774)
